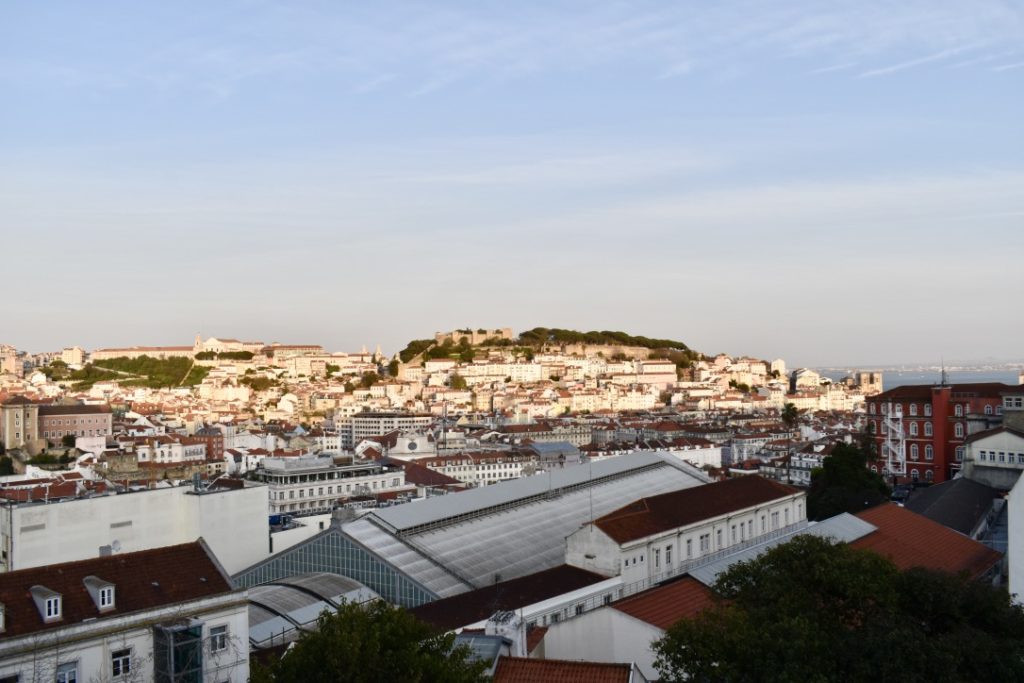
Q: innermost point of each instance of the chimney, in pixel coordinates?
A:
(510, 626)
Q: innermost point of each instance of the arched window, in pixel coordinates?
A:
(958, 410)
(913, 451)
(988, 410)
(929, 452)
(913, 409)
(959, 430)
(915, 475)
(871, 408)
(927, 409)
(929, 475)
(927, 428)
(874, 468)
(913, 429)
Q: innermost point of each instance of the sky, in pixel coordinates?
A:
(835, 183)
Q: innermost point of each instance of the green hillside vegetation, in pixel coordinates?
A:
(527, 343)
(143, 371)
(224, 355)
(543, 335)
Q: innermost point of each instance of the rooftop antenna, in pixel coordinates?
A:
(943, 363)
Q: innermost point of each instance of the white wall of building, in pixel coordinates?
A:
(232, 522)
(604, 635)
(89, 645)
(1015, 549)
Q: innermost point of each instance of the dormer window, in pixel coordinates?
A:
(102, 592)
(48, 603)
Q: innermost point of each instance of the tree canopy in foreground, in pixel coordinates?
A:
(371, 643)
(812, 610)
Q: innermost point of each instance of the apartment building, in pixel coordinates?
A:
(58, 421)
(19, 422)
(648, 537)
(165, 615)
(936, 422)
(314, 484)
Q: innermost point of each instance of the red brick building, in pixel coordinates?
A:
(214, 440)
(936, 422)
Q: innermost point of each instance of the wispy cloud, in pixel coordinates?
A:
(437, 46)
(1008, 67)
(831, 69)
(920, 61)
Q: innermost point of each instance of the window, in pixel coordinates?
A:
(668, 556)
(689, 548)
(657, 557)
(913, 409)
(958, 410)
(929, 475)
(121, 662)
(718, 537)
(579, 609)
(67, 673)
(959, 453)
(959, 430)
(106, 597)
(705, 542)
(218, 638)
(915, 475)
(53, 608)
(927, 428)
(775, 520)
(988, 410)
(913, 451)
(929, 452)
(913, 429)
(763, 528)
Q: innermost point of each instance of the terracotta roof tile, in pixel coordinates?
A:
(142, 580)
(649, 516)
(477, 605)
(912, 540)
(666, 604)
(520, 670)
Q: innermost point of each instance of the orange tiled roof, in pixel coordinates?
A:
(520, 670)
(912, 540)
(667, 604)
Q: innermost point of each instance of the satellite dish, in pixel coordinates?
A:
(115, 546)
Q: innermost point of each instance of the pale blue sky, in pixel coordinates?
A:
(836, 182)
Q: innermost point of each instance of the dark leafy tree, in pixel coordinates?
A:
(789, 414)
(812, 610)
(844, 484)
(373, 643)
